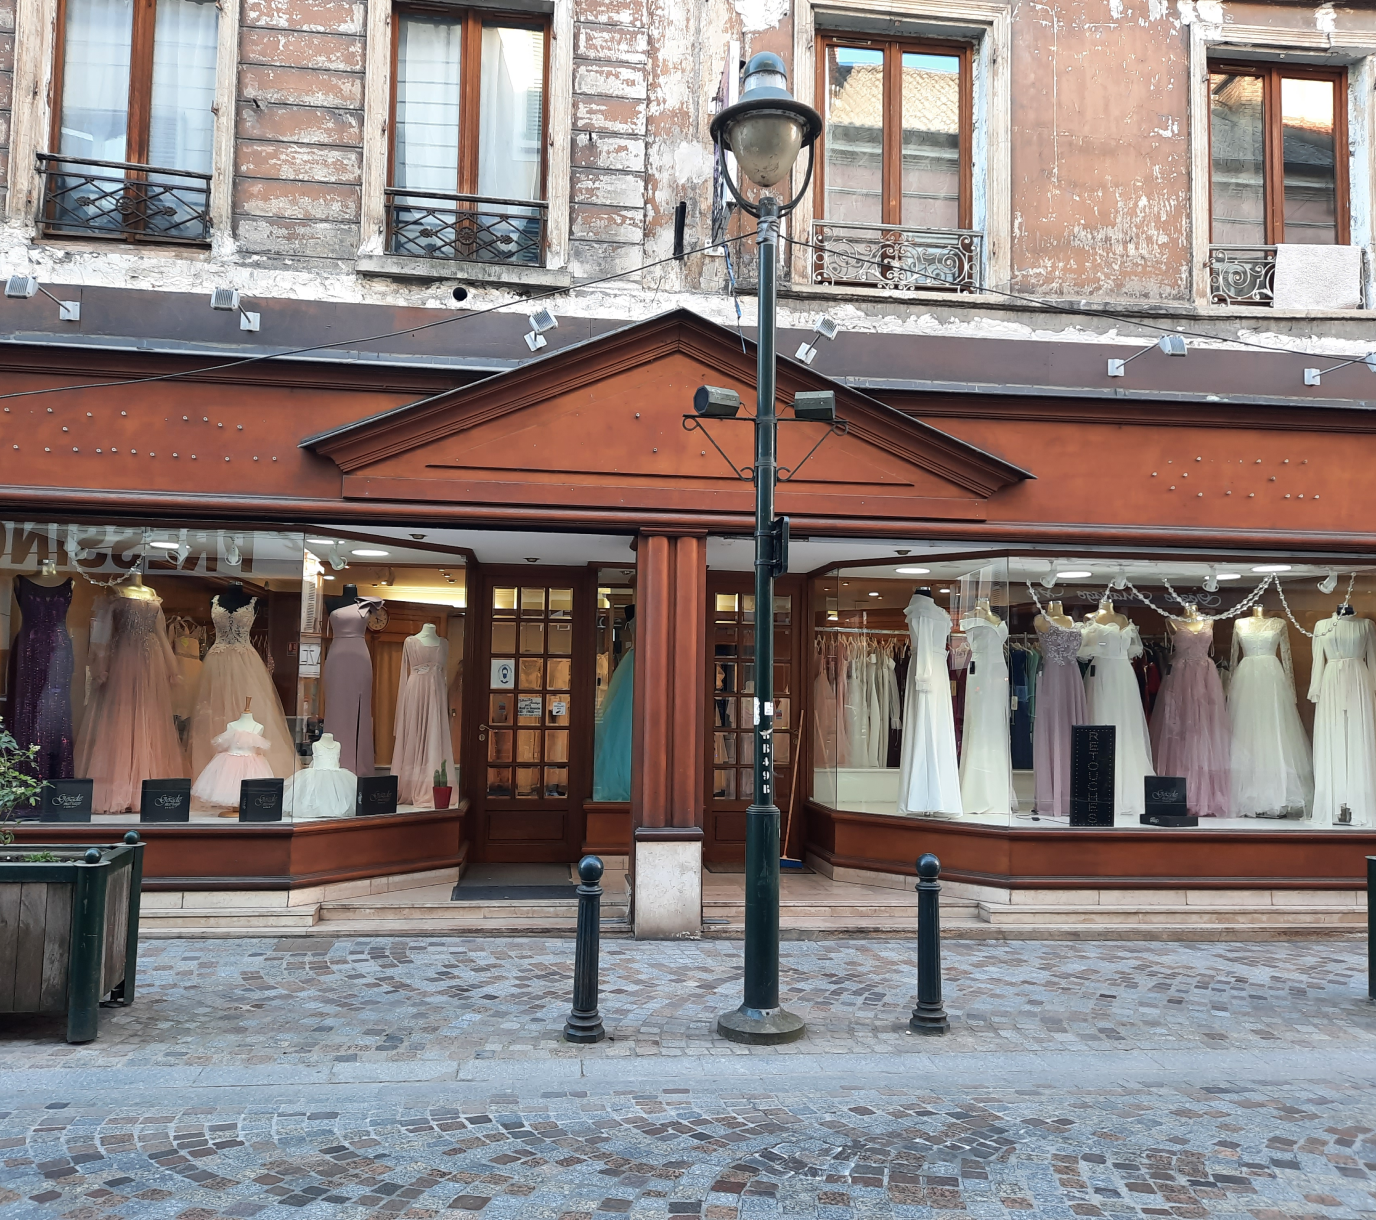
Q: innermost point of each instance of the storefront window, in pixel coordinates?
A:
(1239, 694)
(615, 687)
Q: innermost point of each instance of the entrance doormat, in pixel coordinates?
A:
(502, 893)
(514, 882)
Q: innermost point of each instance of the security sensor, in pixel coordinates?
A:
(716, 401)
(818, 405)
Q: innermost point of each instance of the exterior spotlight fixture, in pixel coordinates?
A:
(816, 405)
(540, 321)
(1329, 582)
(1171, 345)
(1314, 376)
(826, 327)
(227, 301)
(765, 130)
(716, 402)
(22, 287)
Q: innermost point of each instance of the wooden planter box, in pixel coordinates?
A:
(69, 930)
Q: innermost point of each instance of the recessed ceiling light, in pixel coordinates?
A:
(329, 578)
(164, 546)
(874, 594)
(943, 590)
(364, 553)
(1271, 567)
(912, 571)
(321, 541)
(1059, 575)
(1230, 576)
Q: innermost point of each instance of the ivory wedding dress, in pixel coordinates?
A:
(1345, 720)
(1272, 765)
(1113, 697)
(986, 759)
(929, 775)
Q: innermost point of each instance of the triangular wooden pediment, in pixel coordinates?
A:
(600, 425)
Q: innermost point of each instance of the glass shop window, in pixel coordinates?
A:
(1238, 693)
(615, 684)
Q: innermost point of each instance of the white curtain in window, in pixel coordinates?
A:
(427, 118)
(511, 120)
(181, 124)
(95, 79)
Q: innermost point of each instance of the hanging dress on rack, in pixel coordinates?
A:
(40, 679)
(1060, 704)
(1112, 696)
(422, 722)
(986, 763)
(1190, 727)
(347, 678)
(1342, 684)
(929, 775)
(1272, 766)
(232, 673)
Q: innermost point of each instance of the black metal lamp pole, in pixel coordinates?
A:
(766, 130)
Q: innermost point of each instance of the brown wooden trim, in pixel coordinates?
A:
(141, 81)
(59, 69)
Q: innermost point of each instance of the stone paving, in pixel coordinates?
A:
(424, 1077)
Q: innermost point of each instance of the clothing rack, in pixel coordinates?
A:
(861, 631)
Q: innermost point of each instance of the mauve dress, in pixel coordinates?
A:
(1190, 728)
(348, 682)
(1060, 704)
(41, 677)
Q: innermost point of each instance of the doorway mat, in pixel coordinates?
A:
(499, 893)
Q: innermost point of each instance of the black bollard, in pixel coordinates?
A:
(929, 1017)
(585, 1022)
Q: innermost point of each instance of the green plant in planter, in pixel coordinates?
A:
(442, 776)
(18, 784)
(40, 857)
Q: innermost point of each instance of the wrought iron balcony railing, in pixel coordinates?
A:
(122, 200)
(1241, 275)
(434, 224)
(897, 259)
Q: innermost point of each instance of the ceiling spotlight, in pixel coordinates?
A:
(1329, 582)
(322, 541)
(1229, 575)
(826, 327)
(1211, 581)
(1120, 579)
(233, 556)
(874, 594)
(1272, 567)
(22, 287)
(364, 552)
(912, 571)
(1171, 345)
(418, 537)
(164, 546)
(540, 321)
(337, 560)
(227, 301)
(1076, 575)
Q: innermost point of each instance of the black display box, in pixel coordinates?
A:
(260, 800)
(165, 800)
(1166, 802)
(1093, 750)
(376, 794)
(66, 800)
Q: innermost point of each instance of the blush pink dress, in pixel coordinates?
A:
(239, 756)
(1190, 730)
(127, 733)
(347, 679)
(422, 722)
(1060, 704)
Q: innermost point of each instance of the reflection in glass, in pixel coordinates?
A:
(530, 674)
(527, 745)
(556, 781)
(854, 134)
(504, 599)
(561, 638)
(931, 141)
(499, 709)
(503, 639)
(532, 637)
(560, 603)
(557, 746)
(724, 784)
(499, 746)
(1311, 172)
(559, 674)
(527, 783)
(1238, 143)
(532, 603)
(499, 781)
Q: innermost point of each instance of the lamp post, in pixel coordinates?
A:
(765, 130)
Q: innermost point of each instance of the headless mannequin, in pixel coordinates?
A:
(1344, 611)
(1054, 615)
(427, 635)
(246, 723)
(47, 575)
(347, 597)
(136, 589)
(234, 598)
(1257, 619)
(984, 611)
(1107, 615)
(1194, 620)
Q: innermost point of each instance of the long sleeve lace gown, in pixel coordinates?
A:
(1272, 765)
(986, 761)
(1343, 686)
(929, 775)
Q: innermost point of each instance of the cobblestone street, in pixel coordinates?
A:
(424, 1077)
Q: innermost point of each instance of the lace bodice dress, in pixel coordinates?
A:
(1113, 697)
(322, 790)
(1060, 704)
(929, 774)
(1272, 766)
(1190, 728)
(986, 763)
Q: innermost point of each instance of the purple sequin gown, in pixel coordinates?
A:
(41, 676)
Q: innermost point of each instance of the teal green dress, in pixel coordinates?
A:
(611, 775)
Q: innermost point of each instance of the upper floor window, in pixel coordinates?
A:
(893, 205)
(133, 132)
(467, 157)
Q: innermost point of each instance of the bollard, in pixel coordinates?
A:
(1370, 929)
(929, 1017)
(585, 1022)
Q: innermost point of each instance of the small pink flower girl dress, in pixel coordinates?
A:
(239, 752)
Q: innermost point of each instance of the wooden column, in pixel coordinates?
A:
(670, 660)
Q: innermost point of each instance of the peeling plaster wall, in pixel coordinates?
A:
(6, 92)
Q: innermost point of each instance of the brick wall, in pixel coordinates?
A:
(299, 152)
(6, 93)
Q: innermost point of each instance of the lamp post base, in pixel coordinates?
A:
(760, 1026)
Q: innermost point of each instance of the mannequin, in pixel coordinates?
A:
(1054, 615)
(239, 756)
(1344, 733)
(234, 597)
(348, 595)
(985, 611)
(347, 679)
(135, 588)
(322, 790)
(39, 710)
(246, 723)
(1191, 732)
(612, 737)
(928, 775)
(1194, 620)
(421, 722)
(47, 575)
(427, 635)
(1107, 614)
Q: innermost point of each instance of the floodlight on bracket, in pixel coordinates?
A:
(21, 287)
(540, 321)
(809, 407)
(227, 300)
(1313, 376)
(826, 327)
(1171, 345)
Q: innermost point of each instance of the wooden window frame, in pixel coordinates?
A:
(471, 21)
(1273, 154)
(892, 165)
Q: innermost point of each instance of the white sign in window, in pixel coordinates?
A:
(503, 673)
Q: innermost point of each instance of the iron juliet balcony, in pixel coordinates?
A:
(897, 259)
(1241, 275)
(123, 201)
(470, 228)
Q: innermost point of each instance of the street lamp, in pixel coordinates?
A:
(766, 130)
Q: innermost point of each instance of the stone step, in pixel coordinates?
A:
(497, 911)
(1046, 915)
(862, 912)
(153, 918)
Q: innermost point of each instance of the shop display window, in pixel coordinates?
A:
(615, 686)
(1240, 693)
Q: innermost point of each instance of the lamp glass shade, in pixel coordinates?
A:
(766, 144)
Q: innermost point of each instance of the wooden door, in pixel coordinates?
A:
(532, 738)
(730, 706)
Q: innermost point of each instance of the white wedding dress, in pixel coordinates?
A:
(1112, 696)
(986, 756)
(1272, 767)
(928, 775)
(322, 790)
(1345, 721)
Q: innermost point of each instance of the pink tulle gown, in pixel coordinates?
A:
(422, 722)
(239, 757)
(1190, 731)
(127, 733)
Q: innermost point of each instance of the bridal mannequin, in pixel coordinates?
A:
(239, 756)
(427, 635)
(1194, 620)
(234, 598)
(135, 589)
(1054, 615)
(47, 575)
(1106, 614)
(245, 723)
(985, 611)
(1191, 731)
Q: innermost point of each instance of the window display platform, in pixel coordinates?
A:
(221, 854)
(1240, 853)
